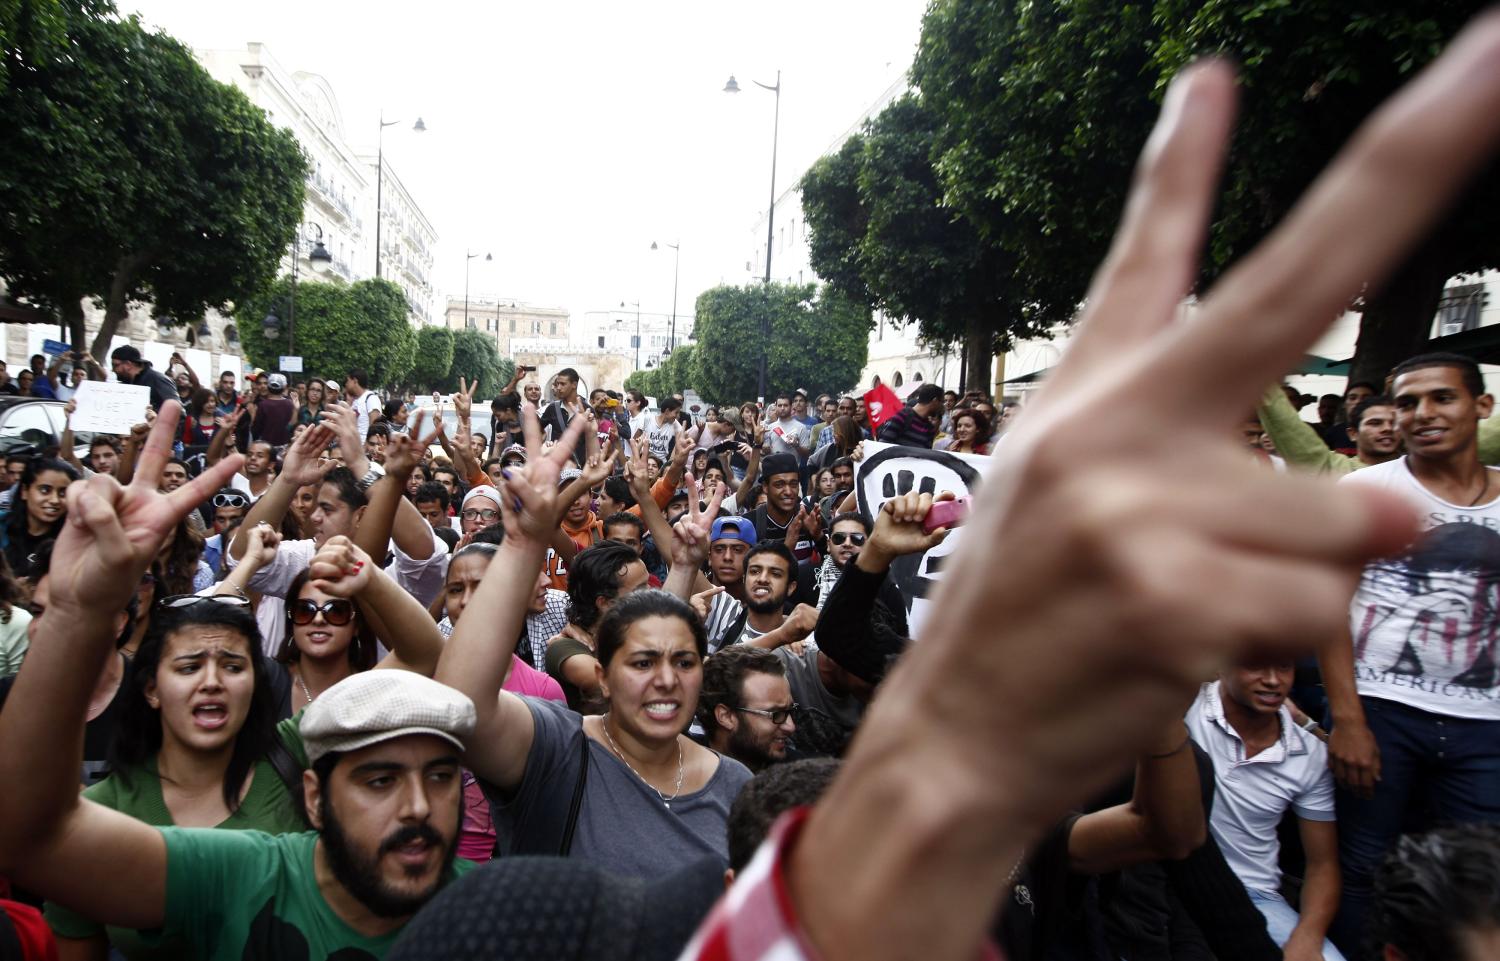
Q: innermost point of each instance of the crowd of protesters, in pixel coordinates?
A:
(289, 671)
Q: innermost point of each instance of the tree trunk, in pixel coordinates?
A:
(979, 359)
(1397, 320)
(117, 305)
(72, 315)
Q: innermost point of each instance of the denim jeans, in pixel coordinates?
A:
(1281, 919)
(1434, 770)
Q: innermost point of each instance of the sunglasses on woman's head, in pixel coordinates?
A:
(188, 600)
(337, 612)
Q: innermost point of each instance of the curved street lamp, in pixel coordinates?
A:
(676, 263)
(417, 127)
(765, 324)
(468, 258)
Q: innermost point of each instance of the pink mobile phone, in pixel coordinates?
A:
(949, 514)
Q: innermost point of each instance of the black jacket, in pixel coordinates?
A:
(162, 388)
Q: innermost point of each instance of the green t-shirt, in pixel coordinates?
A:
(267, 806)
(239, 895)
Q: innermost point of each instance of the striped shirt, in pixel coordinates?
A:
(722, 614)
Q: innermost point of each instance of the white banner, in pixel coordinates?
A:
(110, 408)
(291, 364)
(887, 470)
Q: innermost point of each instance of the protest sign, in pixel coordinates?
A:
(887, 470)
(291, 364)
(110, 408)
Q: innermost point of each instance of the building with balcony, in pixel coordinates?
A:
(341, 181)
(407, 239)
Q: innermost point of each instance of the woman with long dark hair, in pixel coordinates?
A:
(37, 513)
(192, 743)
(179, 565)
(649, 799)
(312, 409)
(200, 418)
(971, 433)
(333, 628)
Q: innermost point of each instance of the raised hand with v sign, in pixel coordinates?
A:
(1090, 597)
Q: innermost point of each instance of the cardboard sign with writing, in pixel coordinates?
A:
(110, 408)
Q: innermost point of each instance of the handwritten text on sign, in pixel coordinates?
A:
(110, 408)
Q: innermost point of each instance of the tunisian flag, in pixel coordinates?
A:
(881, 404)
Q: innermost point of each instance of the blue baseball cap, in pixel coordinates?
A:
(732, 529)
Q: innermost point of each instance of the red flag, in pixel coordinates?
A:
(881, 404)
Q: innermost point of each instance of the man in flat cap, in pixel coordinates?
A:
(377, 756)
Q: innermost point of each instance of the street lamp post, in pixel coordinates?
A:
(637, 306)
(676, 263)
(468, 257)
(321, 260)
(417, 127)
(765, 324)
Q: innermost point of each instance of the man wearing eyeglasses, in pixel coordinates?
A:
(746, 706)
(481, 509)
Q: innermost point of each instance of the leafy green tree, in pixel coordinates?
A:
(882, 235)
(334, 328)
(129, 174)
(475, 356)
(1311, 72)
(1044, 107)
(32, 31)
(818, 340)
(434, 357)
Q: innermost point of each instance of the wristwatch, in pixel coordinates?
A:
(371, 476)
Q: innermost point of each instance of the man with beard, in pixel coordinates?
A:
(384, 791)
(847, 537)
(770, 577)
(746, 706)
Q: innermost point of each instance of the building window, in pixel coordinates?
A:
(552, 328)
(896, 380)
(1460, 308)
(601, 343)
(513, 325)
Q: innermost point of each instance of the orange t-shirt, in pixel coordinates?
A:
(583, 537)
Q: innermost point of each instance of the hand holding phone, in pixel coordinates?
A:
(949, 514)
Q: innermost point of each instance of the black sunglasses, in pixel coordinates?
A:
(337, 612)
(188, 600)
(858, 540)
(776, 716)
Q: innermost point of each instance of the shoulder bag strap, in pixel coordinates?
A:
(577, 802)
(290, 773)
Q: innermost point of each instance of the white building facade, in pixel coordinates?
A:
(341, 181)
(614, 332)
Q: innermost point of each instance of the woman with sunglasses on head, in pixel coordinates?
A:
(332, 624)
(192, 744)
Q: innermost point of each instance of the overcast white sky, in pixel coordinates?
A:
(564, 138)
